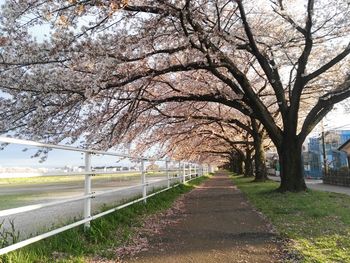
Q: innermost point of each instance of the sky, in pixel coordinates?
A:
(337, 119)
(14, 156)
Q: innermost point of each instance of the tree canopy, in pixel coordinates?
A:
(105, 65)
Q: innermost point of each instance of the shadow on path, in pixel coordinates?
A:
(218, 225)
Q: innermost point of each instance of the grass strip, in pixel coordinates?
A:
(106, 233)
(63, 179)
(317, 223)
(24, 181)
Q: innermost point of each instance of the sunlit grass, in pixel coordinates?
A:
(318, 222)
(61, 179)
(17, 200)
(76, 178)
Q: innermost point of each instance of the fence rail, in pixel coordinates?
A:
(183, 172)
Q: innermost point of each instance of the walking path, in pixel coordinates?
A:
(218, 225)
(319, 185)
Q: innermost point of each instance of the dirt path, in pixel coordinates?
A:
(217, 225)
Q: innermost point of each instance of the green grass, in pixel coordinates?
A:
(16, 200)
(106, 233)
(317, 222)
(62, 179)
(74, 178)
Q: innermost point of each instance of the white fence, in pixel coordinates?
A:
(173, 176)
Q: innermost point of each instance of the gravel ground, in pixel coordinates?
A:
(216, 224)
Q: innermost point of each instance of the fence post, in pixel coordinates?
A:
(184, 173)
(87, 190)
(143, 180)
(167, 171)
(195, 170)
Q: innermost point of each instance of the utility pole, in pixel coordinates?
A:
(324, 151)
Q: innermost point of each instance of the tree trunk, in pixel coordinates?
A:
(233, 165)
(248, 165)
(236, 163)
(292, 172)
(259, 159)
(239, 165)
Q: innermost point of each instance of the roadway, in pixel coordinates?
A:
(38, 221)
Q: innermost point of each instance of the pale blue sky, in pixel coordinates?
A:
(14, 156)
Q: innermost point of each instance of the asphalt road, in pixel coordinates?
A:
(30, 223)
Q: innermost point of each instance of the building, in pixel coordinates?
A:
(345, 147)
(342, 175)
(336, 160)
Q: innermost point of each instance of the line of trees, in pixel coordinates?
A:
(112, 71)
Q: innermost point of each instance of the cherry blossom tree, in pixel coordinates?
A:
(104, 64)
(169, 121)
(200, 140)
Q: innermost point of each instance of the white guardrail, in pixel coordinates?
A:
(185, 171)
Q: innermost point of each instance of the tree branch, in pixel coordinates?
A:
(328, 65)
(323, 106)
